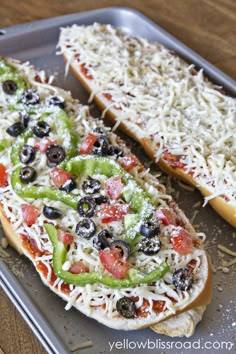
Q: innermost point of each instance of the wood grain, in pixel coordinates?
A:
(206, 26)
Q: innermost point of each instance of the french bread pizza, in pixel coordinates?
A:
(99, 229)
(183, 121)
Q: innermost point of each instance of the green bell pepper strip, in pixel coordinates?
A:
(34, 192)
(59, 258)
(4, 143)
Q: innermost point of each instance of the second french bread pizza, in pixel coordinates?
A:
(99, 229)
(184, 122)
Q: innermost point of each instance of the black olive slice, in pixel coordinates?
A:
(115, 151)
(55, 154)
(100, 241)
(15, 129)
(100, 146)
(99, 131)
(150, 246)
(30, 97)
(9, 87)
(150, 229)
(56, 101)
(25, 118)
(68, 186)
(126, 307)
(27, 154)
(28, 174)
(182, 279)
(41, 129)
(124, 246)
(51, 213)
(86, 206)
(100, 199)
(91, 185)
(86, 228)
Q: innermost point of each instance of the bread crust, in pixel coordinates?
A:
(202, 299)
(226, 211)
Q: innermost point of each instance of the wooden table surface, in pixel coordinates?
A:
(207, 26)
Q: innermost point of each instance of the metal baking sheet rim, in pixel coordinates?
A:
(48, 338)
(29, 312)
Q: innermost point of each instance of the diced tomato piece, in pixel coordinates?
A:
(87, 144)
(165, 216)
(43, 144)
(114, 263)
(128, 162)
(29, 213)
(65, 237)
(59, 176)
(158, 305)
(3, 175)
(173, 160)
(78, 267)
(111, 213)
(108, 96)
(182, 241)
(114, 187)
(143, 310)
(85, 72)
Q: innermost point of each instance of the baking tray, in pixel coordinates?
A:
(58, 330)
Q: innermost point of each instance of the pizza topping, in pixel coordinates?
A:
(30, 97)
(165, 216)
(86, 228)
(68, 186)
(55, 154)
(150, 246)
(9, 87)
(43, 144)
(51, 213)
(100, 241)
(114, 187)
(3, 175)
(126, 307)
(114, 262)
(86, 206)
(87, 145)
(115, 150)
(56, 101)
(115, 212)
(149, 229)
(25, 118)
(30, 213)
(101, 146)
(78, 268)
(124, 246)
(183, 279)
(128, 162)
(28, 174)
(65, 237)
(59, 176)
(182, 241)
(27, 154)
(15, 129)
(41, 129)
(91, 185)
(101, 199)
